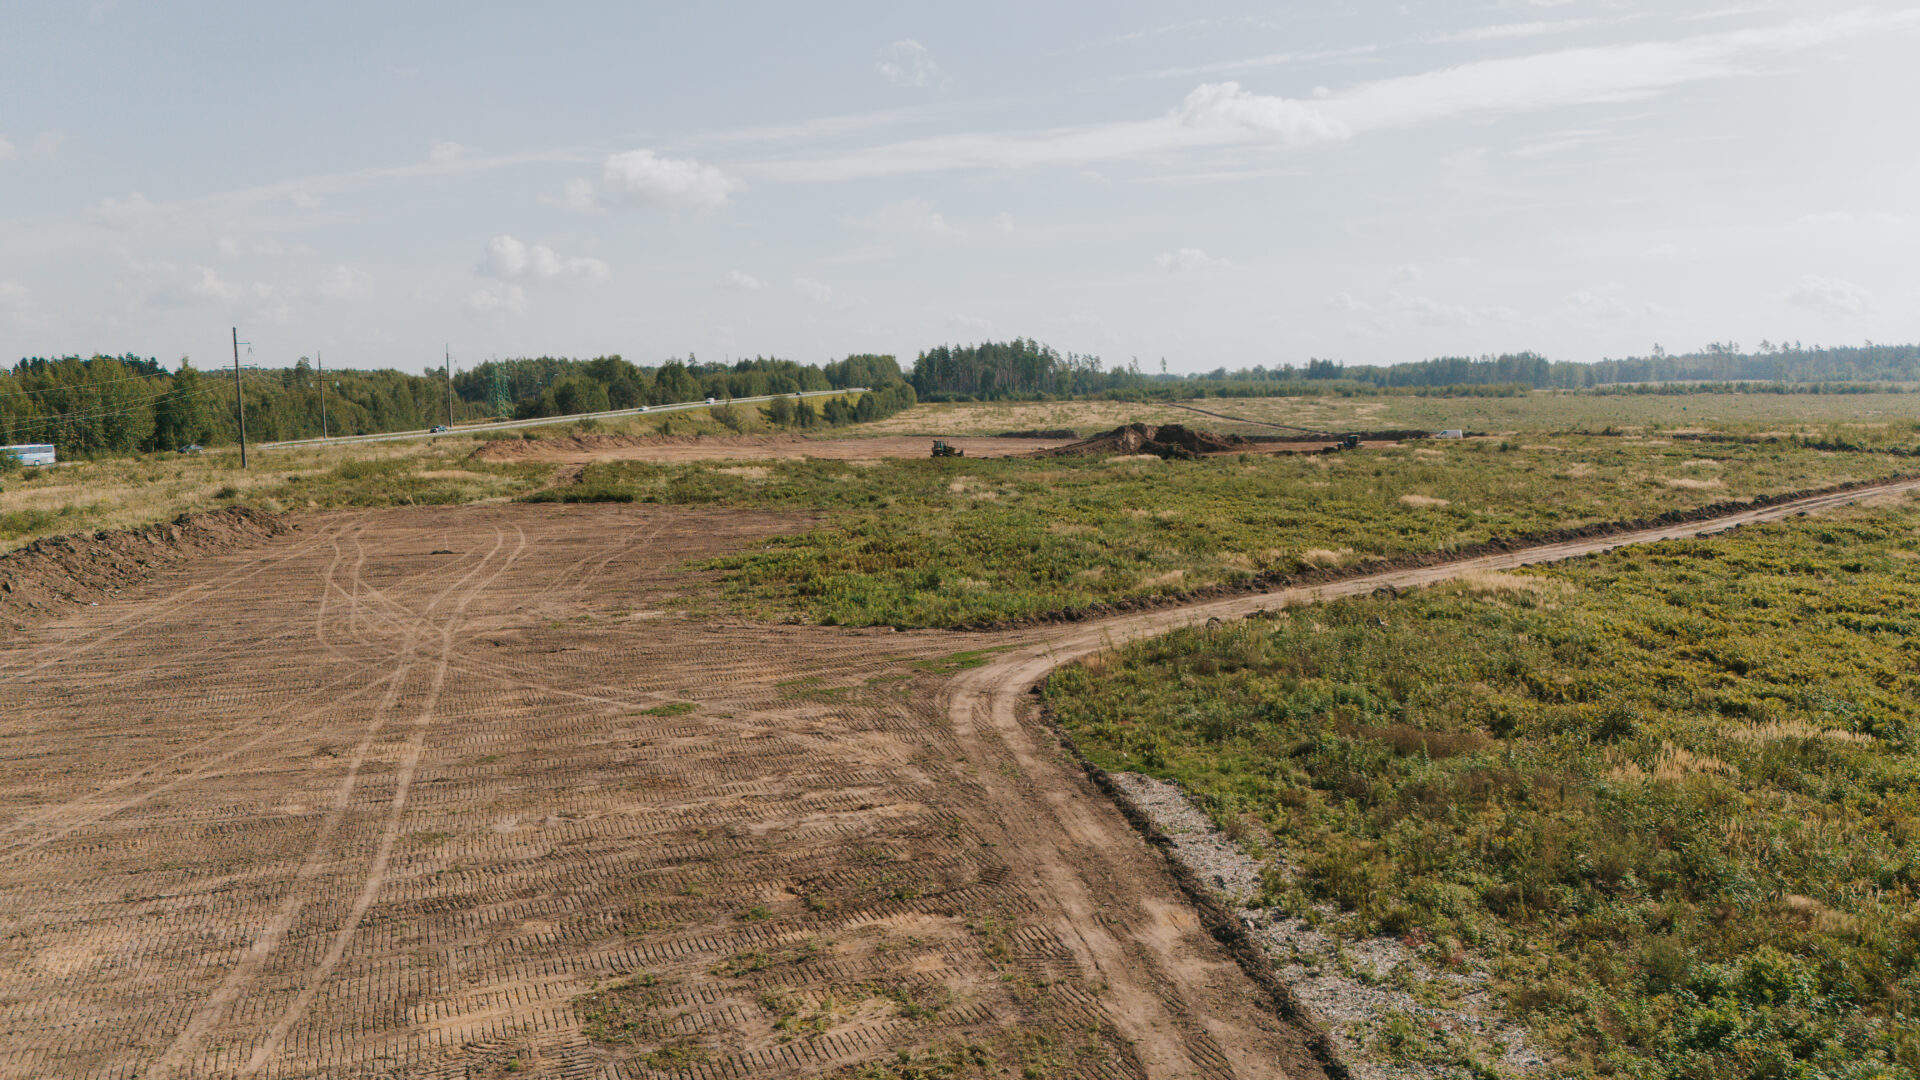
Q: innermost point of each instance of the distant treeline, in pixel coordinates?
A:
(1027, 369)
(126, 404)
(552, 386)
(120, 404)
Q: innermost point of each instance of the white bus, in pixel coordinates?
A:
(30, 453)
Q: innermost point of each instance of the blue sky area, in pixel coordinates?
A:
(1212, 183)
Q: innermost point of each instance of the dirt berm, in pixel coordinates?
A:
(1162, 440)
(58, 572)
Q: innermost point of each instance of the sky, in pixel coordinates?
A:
(1196, 184)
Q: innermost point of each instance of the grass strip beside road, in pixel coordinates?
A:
(957, 541)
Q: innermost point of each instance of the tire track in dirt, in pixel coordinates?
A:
(187, 1042)
(390, 832)
(1058, 838)
(83, 811)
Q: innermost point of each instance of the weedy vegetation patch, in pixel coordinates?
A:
(1668, 797)
(955, 541)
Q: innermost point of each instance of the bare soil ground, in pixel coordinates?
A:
(585, 449)
(460, 792)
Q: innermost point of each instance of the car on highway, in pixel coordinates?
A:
(438, 429)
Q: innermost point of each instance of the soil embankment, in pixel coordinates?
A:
(61, 572)
(1177, 441)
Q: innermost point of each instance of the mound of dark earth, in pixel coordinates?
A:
(59, 572)
(1161, 440)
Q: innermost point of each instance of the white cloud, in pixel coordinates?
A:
(740, 279)
(1427, 310)
(1003, 223)
(1596, 74)
(511, 260)
(913, 215)
(907, 63)
(128, 213)
(441, 151)
(1343, 302)
(641, 176)
(1214, 114)
(44, 147)
(1407, 272)
(345, 283)
(1225, 114)
(1225, 106)
(818, 292)
(1186, 259)
(500, 298)
(578, 194)
(1831, 296)
(1598, 304)
(14, 296)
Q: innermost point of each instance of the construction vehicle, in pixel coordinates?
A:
(942, 448)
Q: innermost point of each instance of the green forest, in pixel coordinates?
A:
(126, 404)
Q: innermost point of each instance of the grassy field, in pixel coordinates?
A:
(935, 543)
(122, 492)
(1669, 796)
(1876, 418)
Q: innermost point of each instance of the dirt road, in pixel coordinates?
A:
(479, 792)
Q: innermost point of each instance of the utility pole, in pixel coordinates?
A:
(449, 388)
(317, 359)
(239, 403)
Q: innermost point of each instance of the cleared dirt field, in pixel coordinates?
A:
(456, 792)
(584, 449)
(446, 792)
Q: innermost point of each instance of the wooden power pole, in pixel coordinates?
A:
(239, 403)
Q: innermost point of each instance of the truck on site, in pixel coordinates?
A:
(943, 448)
(30, 453)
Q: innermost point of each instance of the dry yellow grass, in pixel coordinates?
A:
(1325, 556)
(1688, 483)
(1775, 730)
(1494, 581)
(1423, 501)
(119, 493)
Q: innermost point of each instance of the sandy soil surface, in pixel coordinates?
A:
(584, 449)
(463, 793)
(393, 795)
